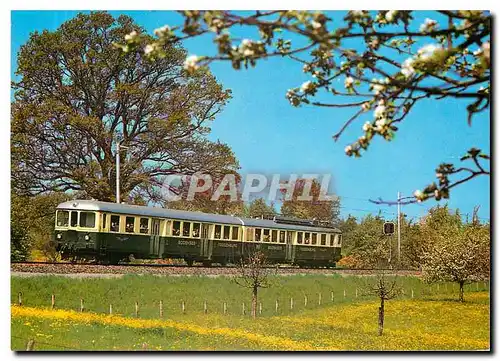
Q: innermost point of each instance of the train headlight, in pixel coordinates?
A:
(87, 237)
(59, 236)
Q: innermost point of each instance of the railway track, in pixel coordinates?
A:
(180, 269)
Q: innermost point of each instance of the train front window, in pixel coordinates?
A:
(339, 240)
(129, 224)
(115, 224)
(62, 218)
(176, 228)
(323, 239)
(186, 228)
(87, 219)
(144, 225)
(74, 218)
(314, 238)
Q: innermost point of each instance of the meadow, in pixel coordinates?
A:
(430, 320)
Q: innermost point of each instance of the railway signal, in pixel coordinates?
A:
(389, 228)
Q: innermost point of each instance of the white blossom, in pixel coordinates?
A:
(307, 86)
(348, 149)
(131, 36)
(379, 111)
(162, 31)
(191, 63)
(367, 126)
(365, 106)
(428, 25)
(381, 123)
(348, 82)
(316, 25)
(428, 51)
(407, 68)
(418, 194)
(389, 16)
(149, 49)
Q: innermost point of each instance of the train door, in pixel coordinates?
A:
(289, 252)
(155, 237)
(206, 243)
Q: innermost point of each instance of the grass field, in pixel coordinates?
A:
(432, 320)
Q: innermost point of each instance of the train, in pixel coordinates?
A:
(111, 233)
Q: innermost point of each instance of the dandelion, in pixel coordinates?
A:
(191, 63)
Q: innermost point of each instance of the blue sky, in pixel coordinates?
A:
(268, 135)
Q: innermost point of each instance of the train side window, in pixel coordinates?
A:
(258, 233)
(186, 229)
(323, 239)
(115, 224)
(176, 228)
(282, 236)
(74, 218)
(227, 231)
(299, 237)
(87, 219)
(274, 235)
(104, 219)
(144, 225)
(235, 232)
(332, 239)
(266, 235)
(129, 224)
(62, 218)
(218, 231)
(314, 238)
(307, 238)
(250, 237)
(289, 236)
(339, 240)
(196, 230)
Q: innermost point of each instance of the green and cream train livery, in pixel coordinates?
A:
(111, 232)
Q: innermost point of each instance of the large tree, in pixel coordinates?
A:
(381, 61)
(77, 95)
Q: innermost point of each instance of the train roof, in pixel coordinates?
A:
(90, 205)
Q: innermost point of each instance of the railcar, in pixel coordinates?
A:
(110, 232)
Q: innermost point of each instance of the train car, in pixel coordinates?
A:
(110, 232)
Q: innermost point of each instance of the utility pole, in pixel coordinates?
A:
(118, 146)
(399, 229)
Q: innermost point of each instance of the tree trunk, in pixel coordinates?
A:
(254, 301)
(381, 317)
(461, 292)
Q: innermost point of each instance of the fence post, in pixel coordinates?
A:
(205, 310)
(53, 301)
(183, 306)
(20, 298)
(305, 300)
(356, 293)
(291, 303)
(136, 309)
(477, 286)
(277, 306)
(332, 296)
(319, 298)
(344, 293)
(30, 345)
(224, 307)
(81, 305)
(243, 309)
(260, 308)
(161, 308)
(111, 309)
